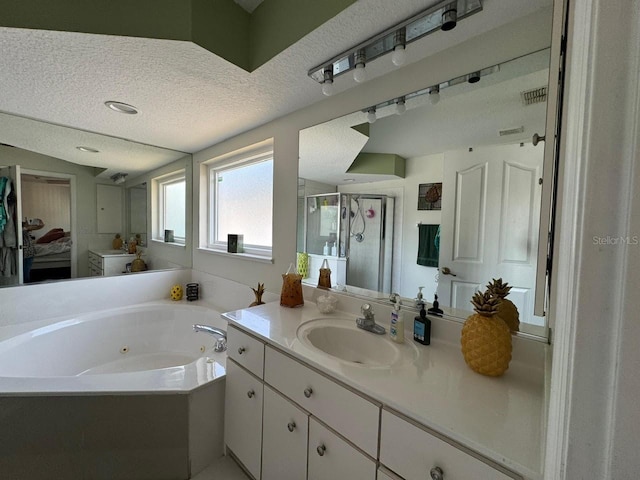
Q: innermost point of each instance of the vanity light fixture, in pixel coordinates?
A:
(434, 94)
(119, 178)
(359, 72)
(121, 107)
(444, 16)
(87, 149)
(327, 83)
(371, 114)
(401, 106)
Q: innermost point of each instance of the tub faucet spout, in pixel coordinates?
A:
(221, 336)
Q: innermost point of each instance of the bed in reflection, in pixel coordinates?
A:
(53, 256)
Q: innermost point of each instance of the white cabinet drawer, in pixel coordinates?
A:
(285, 431)
(246, 350)
(331, 458)
(346, 412)
(412, 452)
(95, 260)
(243, 417)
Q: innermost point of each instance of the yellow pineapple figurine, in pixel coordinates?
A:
(507, 311)
(486, 338)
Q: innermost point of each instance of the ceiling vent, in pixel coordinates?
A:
(537, 95)
(511, 131)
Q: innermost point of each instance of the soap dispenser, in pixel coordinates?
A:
(422, 328)
(396, 331)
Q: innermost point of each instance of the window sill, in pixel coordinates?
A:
(243, 256)
(170, 244)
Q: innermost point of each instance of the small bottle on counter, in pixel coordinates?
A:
(325, 249)
(422, 328)
(334, 250)
(396, 331)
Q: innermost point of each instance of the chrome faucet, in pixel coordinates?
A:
(368, 322)
(221, 340)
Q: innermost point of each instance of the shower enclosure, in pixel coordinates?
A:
(354, 232)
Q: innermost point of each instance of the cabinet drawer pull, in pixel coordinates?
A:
(291, 426)
(307, 392)
(437, 473)
(250, 393)
(241, 350)
(321, 449)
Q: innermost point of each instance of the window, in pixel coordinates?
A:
(171, 200)
(241, 202)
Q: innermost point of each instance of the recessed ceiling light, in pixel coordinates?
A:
(88, 149)
(121, 107)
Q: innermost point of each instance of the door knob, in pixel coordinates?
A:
(291, 426)
(250, 393)
(241, 350)
(321, 449)
(308, 391)
(447, 271)
(537, 138)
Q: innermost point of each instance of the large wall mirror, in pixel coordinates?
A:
(82, 205)
(441, 193)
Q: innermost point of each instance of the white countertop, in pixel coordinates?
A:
(113, 253)
(501, 418)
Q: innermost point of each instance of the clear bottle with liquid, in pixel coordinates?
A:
(396, 331)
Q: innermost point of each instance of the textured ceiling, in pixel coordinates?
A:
(189, 98)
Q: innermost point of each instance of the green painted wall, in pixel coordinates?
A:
(363, 128)
(169, 19)
(278, 24)
(220, 26)
(379, 164)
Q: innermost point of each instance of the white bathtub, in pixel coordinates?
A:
(141, 348)
(132, 391)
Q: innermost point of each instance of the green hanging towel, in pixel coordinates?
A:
(428, 245)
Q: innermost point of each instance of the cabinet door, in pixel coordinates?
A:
(386, 475)
(284, 439)
(332, 458)
(109, 208)
(414, 452)
(243, 416)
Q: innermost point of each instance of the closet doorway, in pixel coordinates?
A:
(51, 197)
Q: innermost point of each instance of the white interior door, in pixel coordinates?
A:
(490, 212)
(13, 252)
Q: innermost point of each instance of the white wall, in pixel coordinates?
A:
(49, 202)
(489, 49)
(594, 421)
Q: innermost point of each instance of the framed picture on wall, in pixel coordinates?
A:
(430, 196)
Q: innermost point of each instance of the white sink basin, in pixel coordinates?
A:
(341, 339)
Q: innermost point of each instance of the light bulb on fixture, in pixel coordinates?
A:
(119, 178)
(327, 84)
(359, 71)
(449, 17)
(399, 55)
(371, 114)
(401, 106)
(434, 94)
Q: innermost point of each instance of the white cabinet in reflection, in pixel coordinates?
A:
(109, 208)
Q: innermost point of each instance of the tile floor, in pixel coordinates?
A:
(223, 469)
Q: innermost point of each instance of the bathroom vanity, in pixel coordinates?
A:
(106, 263)
(310, 396)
